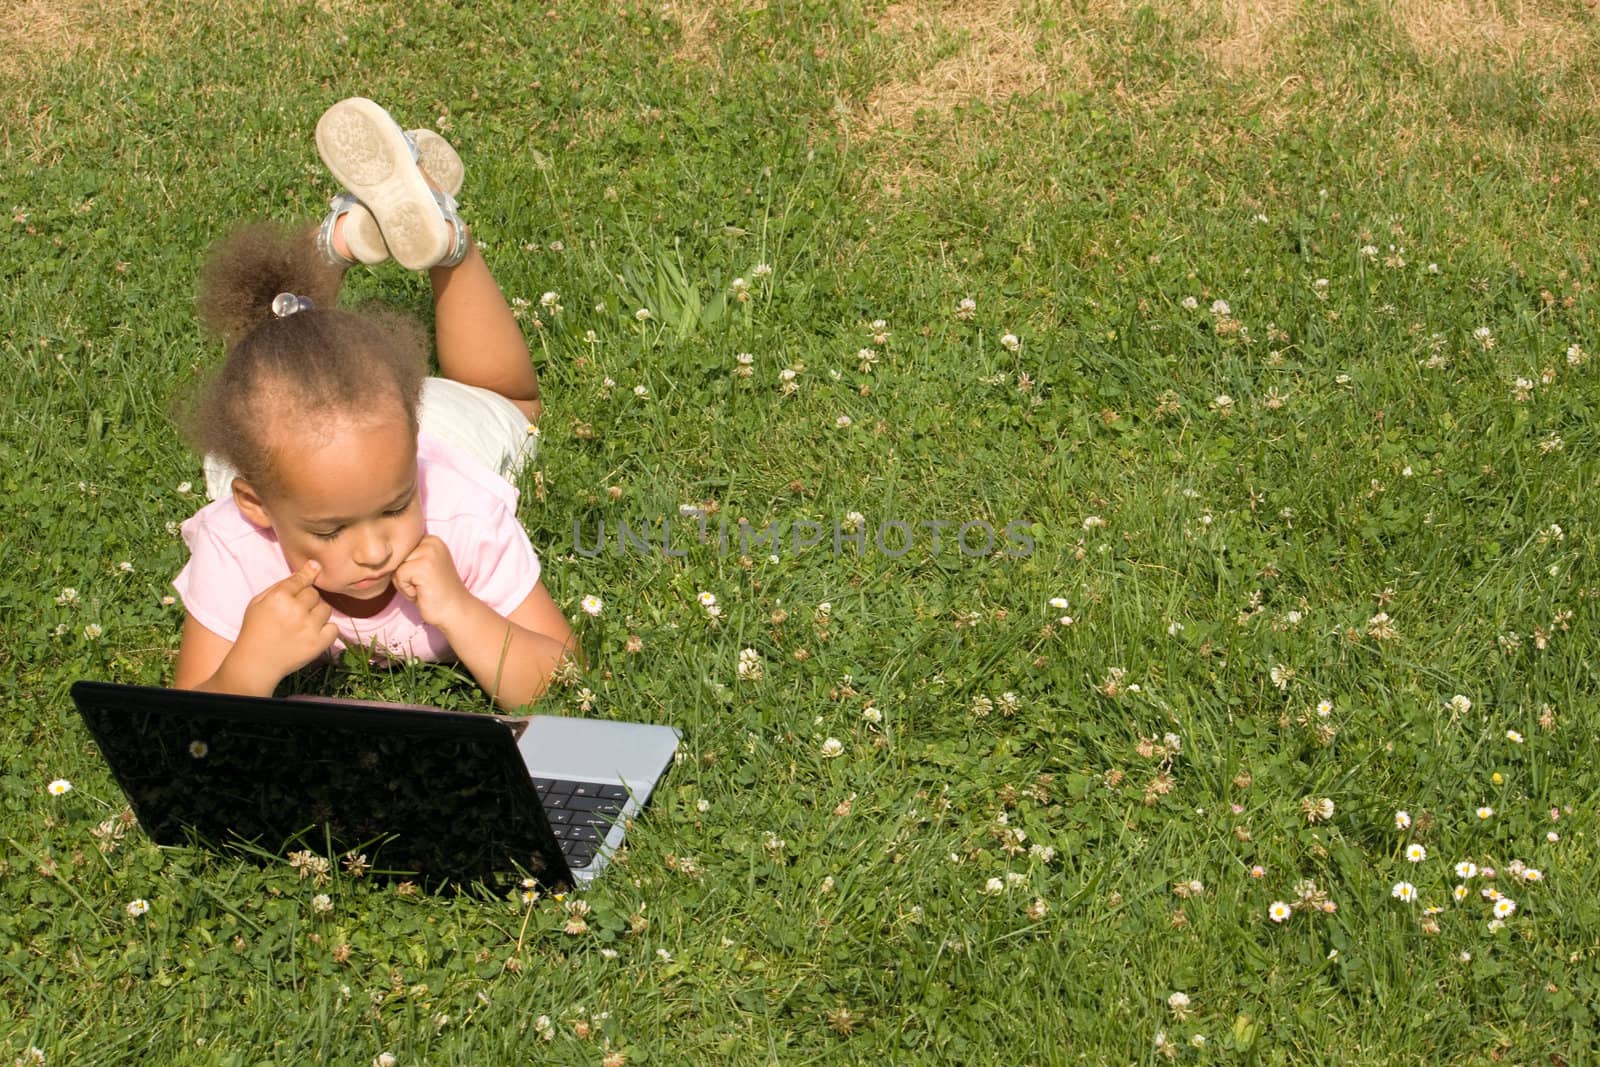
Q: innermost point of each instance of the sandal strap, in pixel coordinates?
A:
(336, 207)
(459, 238)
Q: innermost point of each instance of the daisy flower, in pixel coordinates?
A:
(1504, 907)
(1416, 853)
(59, 787)
(138, 907)
(1402, 820)
(1514, 737)
(1404, 892)
(1278, 911)
(706, 599)
(1485, 812)
(1461, 892)
(593, 605)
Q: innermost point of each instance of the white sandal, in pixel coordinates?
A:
(362, 234)
(371, 156)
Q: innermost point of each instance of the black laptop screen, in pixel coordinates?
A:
(431, 794)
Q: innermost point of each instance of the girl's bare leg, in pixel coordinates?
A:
(478, 338)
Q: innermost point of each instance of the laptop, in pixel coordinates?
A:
(438, 796)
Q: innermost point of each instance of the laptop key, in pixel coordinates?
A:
(558, 816)
(584, 789)
(581, 855)
(543, 784)
(613, 792)
(555, 800)
(590, 803)
(582, 833)
(561, 787)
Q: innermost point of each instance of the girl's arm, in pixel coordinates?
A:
(514, 656)
(285, 627)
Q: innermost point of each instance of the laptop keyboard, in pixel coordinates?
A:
(581, 814)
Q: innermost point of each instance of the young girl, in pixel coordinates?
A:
(356, 502)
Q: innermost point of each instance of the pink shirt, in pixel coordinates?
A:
(466, 505)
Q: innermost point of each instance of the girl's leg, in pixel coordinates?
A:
(478, 338)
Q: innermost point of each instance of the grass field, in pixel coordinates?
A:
(1258, 332)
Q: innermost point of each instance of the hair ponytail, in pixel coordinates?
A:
(312, 367)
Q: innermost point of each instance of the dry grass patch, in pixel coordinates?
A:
(956, 53)
(700, 23)
(1256, 36)
(1547, 36)
(37, 33)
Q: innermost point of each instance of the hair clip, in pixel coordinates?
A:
(286, 304)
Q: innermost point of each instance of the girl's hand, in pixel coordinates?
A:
(285, 627)
(428, 577)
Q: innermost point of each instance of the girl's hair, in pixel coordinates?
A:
(317, 366)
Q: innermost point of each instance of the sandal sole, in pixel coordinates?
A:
(368, 154)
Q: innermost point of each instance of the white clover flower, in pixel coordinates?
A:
(832, 748)
(1174, 629)
(1093, 522)
(642, 315)
(1404, 892)
(967, 309)
(749, 665)
(322, 903)
(59, 787)
(702, 805)
(1222, 404)
(1220, 309)
(67, 596)
(871, 715)
(827, 885)
(184, 488)
(1402, 820)
(1484, 336)
(1416, 853)
(1460, 704)
(138, 907)
(1010, 342)
(994, 886)
(93, 631)
(842, 422)
(549, 300)
(1189, 303)
(640, 391)
(1178, 1002)
(593, 605)
(761, 271)
(1278, 911)
(1041, 853)
(126, 567)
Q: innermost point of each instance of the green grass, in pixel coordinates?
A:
(1376, 458)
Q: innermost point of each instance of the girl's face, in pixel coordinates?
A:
(347, 498)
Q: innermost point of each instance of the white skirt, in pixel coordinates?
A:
(479, 421)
